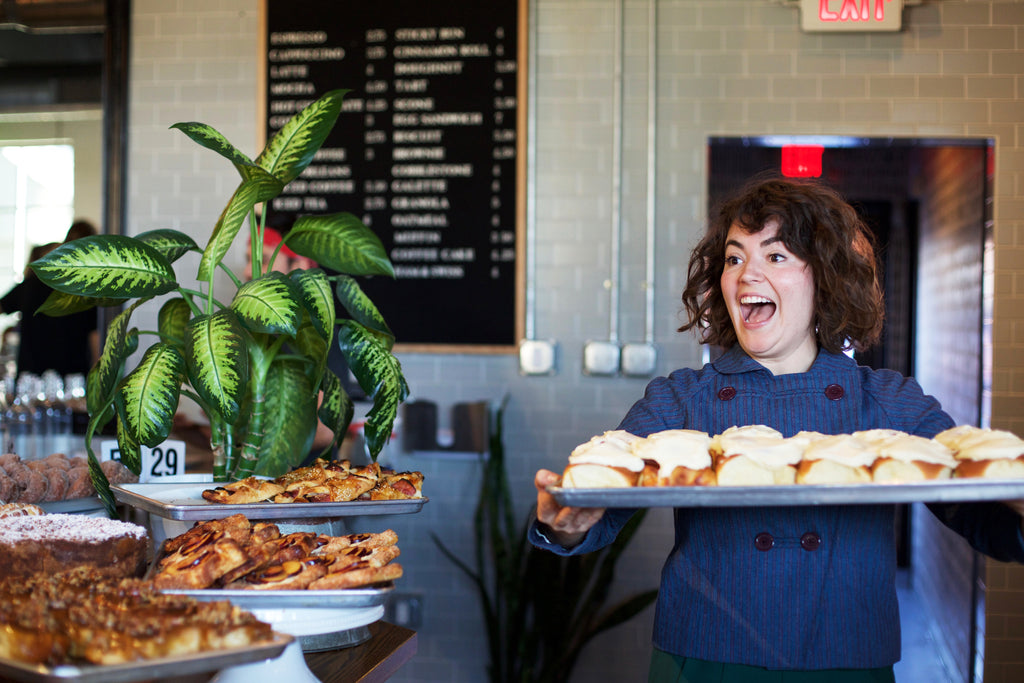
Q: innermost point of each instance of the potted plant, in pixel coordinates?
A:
(539, 609)
(255, 363)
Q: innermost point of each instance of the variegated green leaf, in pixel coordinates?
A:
(261, 187)
(292, 148)
(173, 318)
(379, 374)
(111, 266)
(106, 373)
(173, 244)
(289, 418)
(62, 303)
(217, 361)
(336, 407)
(315, 293)
(269, 304)
(101, 409)
(340, 242)
(309, 343)
(212, 139)
(131, 451)
(359, 306)
(148, 397)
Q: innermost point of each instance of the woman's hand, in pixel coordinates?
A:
(566, 526)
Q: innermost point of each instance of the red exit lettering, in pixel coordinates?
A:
(852, 10)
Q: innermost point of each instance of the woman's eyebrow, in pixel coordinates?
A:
(765, 243)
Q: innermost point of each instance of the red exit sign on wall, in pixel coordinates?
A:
(851, 15)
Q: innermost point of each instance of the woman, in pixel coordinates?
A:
(784, 281)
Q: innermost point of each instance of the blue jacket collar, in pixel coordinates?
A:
(736, 361)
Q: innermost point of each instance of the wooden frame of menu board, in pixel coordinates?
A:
(429, 150)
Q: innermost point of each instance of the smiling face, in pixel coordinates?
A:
(769, 293)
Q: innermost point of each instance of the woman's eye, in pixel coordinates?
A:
(732, 260)
(777, 258)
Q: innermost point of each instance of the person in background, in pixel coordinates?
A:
(784, 281)
(68, 344)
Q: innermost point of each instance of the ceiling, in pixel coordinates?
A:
(51, 53)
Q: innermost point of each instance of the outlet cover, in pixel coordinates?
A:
(601, 358)
(639, 360)
(537, 357)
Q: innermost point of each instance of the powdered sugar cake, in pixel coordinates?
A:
(47, 544)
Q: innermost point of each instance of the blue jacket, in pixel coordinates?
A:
(830, 606)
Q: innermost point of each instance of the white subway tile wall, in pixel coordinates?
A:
(725, 67)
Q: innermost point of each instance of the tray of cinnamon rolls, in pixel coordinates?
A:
(755, 465)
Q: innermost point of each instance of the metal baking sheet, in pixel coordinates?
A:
(945, 491)
(87, 506)
(185, 502)
(150, 669)
(294, 599)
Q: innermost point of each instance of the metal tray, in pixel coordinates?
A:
(294, 599)
(945, 491)
(150, 669)
(88, 505)
(185, 502)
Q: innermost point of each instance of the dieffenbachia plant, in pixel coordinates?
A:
(257, 364)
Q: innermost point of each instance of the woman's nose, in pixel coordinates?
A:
(751, 271)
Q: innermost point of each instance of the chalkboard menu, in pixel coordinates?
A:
(428, 151)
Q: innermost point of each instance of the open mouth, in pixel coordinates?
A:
(756, 309)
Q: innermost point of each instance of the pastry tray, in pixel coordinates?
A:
(185, 502)
(945, 491)
(150, 669)
(294, 599)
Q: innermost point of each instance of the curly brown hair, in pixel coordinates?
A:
(819, 227)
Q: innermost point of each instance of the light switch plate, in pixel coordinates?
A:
(639, 360)
(537, 357)
(601, 358)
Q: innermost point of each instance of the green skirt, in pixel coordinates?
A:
(668, 668)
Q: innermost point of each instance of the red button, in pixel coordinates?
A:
(727, 393)
(810, 541)
(834, 392)
(764, 541)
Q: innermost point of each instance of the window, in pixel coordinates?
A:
(36, 204)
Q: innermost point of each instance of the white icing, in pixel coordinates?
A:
(844, 449)
(876, 437)
(611, 449)
(750, 430)
(763, 445)
(76, 528)
(908, 448)
(674, 448)
(617, 439)
(990, 444)
(951, 437)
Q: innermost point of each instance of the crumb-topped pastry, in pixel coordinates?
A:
(73, 617)
(47, 544)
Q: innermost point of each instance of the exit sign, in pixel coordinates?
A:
(851, 15)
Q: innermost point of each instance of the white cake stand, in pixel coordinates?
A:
(305, 623)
